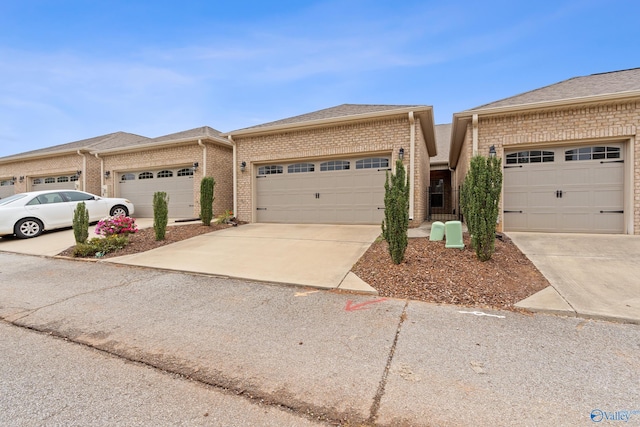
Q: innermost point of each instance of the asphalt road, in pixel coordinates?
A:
(344, 357)
(47, 381)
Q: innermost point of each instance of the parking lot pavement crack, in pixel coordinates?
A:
(375, 407)
(123, 283)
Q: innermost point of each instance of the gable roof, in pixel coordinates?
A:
(601, 87)
(109, 141)
(614, 82)
(197, 133)
(346, 113)
(443, 139)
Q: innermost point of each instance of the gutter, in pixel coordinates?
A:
(235, 176)
(143, 147)
(102, 184)
(84, 169)
(412, 160)
(204, 156)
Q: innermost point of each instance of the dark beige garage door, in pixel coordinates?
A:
(344, 191)
(571, 189)
(58, 182)
(7, 188)
(140, 186)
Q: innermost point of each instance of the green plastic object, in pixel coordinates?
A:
(453, 231)
(437, 231)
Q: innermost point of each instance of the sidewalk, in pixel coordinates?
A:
(347, 358)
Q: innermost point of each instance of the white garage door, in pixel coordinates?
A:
(140, 186)
(571, 190)
(7, 188)
(58, 182)
(345, 191)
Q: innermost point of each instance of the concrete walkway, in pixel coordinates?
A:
(592, 276)
(310, 255)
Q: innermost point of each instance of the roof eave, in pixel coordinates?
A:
(324, 122)
(36, 156)
(163, 144)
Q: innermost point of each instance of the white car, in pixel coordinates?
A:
(29, 214)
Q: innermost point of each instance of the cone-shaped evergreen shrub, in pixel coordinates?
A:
(207, 186)
(395, 225)
(81, 223)
(160, 214)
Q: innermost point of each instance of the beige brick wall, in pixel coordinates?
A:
(579, 125)
(54, 166)
(218, 164)
(380, 136)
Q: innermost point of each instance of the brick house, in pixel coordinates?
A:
(570, 153)
(130, 166)
(329, 166)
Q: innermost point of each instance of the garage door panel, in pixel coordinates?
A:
(320, 196)
(565, 194)
(179, 189)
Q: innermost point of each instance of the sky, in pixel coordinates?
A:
(76, 69)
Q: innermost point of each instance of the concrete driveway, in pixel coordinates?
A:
(594, 276)
(312, 255)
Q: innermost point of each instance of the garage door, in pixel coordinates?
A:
(7, 188)
(571, 189)
(343, 191)
(140, 186)
(58, 182)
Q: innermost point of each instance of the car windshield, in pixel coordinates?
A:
(13, 198)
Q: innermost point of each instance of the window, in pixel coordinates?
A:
(533, 156)
(592, 153)
(127, 177)
(49, 180)
(145, 175)
(372, 163)
(335, 165)
(63, 179)
(44, 199)
(77, 196)
(270, 170)
(301, 167)
(185, 172)
(73, 178)
(6, 183)
(165, 174)
(37, 181)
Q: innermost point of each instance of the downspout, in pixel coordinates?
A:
(235, 176)
(84, 170)
(412, 164)
(474, 134)
(103, 193)
(204, 156)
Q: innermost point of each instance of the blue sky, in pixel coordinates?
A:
(75, 69)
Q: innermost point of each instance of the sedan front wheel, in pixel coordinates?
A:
(28, 227)
(119, 210)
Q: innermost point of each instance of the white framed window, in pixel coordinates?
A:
(372, 163)
(301, 168)
(335, 165)
(270, 170)
(145, 175)
(592, 153)
(49, 180)
(532, 156)
(37, 181)
(185, 172)
(127, 177)
(165, 174)
(63, 179)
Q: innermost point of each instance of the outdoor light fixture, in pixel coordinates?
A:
(107, 174)
(195, 166)
(13, 178)
(492, 151)
(21, 178)
(78, 172)
(243, 166)
(401, 153)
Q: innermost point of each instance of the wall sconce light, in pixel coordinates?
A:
(22, 178)
(401, 153)
(107, 174)
(243, 166)
(13, 178)
(78, 172)
(195, 166)
(492, 151)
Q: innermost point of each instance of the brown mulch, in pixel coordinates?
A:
(145, 239)
(433, 273)
(430, 272)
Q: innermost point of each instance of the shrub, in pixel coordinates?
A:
(100, 246)
(160, 214)
(81, 223)
(116, 225)
(207, 186)
(224, 218)
(395, 225)
(480, 201)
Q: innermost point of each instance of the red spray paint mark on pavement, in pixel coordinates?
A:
(353, 307)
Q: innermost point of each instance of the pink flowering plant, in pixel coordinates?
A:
(116, 225)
